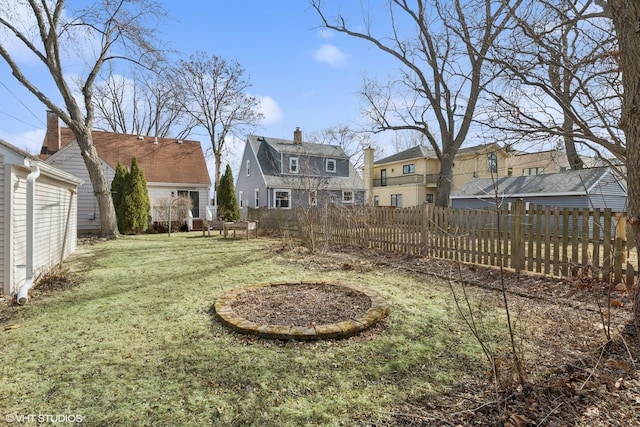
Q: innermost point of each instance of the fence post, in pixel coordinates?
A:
(517, 234)
(619, 258)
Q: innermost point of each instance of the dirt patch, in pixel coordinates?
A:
(300, 305)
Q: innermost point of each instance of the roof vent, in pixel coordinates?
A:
(260, 139)
(155, 140)
(140, 137)
(179, 141)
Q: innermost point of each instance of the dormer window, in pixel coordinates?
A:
(330, 165)
(293, 165)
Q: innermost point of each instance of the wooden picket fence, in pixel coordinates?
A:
(554, 241)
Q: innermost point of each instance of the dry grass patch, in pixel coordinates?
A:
(135, 343)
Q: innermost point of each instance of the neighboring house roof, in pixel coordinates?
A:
(169, 160)
(417, 152)
(567, 183)
(422, 152)
(274, 179)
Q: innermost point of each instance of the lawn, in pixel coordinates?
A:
(134, 342)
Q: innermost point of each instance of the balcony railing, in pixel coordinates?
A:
(406, 179)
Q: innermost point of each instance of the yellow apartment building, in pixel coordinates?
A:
(409, 178)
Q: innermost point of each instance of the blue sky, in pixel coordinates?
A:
(306, 76)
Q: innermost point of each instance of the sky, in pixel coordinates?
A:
(304, 75)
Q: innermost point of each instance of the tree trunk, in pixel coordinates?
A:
(626, 15)
(217, 156)
(443, 190)
(101, 187)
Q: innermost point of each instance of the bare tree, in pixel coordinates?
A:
(59, 33)
(441, 48)
(213, 92)
(561, 79)
(352, 142)
(143, 104)
(625, 15)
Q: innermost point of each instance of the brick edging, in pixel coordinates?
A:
(343, 329)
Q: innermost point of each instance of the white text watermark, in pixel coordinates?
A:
(43, 418)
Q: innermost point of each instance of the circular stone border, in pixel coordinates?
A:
(343, 329)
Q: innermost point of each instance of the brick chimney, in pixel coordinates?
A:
(52, 137)
(297, 136)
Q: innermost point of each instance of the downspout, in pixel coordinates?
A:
(31, 228)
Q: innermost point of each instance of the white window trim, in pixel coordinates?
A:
(343, 196)
(256, 197)
(326, 165)
(291, 161)
(276, 191)
(240, 196)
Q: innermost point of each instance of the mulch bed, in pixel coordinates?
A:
(300, 305)
(575, 375)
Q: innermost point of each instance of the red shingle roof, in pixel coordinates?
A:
(167, 161)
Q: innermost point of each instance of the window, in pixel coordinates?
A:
(396, 200)
(409, 169)
(492, 163)
(331, 165)
(347, 196)
(195, 201)
(282, 199)
(509, 171)
(532, 171)
(430, 198)
(240, 201)
(257, 197)
(313, 198)
(293, 165)
(248, 167)
(383, 178)
(376, 200)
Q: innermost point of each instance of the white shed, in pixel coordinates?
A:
(38, 215)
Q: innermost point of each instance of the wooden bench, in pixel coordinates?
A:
(246, 226)
(212, 225)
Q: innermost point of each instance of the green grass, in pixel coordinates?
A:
(135, 343)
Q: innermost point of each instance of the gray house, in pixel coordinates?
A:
(585, 188)
(279, 173)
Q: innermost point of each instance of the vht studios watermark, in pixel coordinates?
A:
(43, 418)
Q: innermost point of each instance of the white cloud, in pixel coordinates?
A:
(325, 34)
(29, 141)
(270, 109)
(330, 54)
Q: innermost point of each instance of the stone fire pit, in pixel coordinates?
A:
(305, 310)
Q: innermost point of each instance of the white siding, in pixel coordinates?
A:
(18, 250)
(4, 246)
(51, 212)
(159, 191)
(70, 160)
(52, 209)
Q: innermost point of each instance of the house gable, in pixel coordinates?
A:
(170, 166)
(299, 169)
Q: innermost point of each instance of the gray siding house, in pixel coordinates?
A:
(279, 173)
(585, 188)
